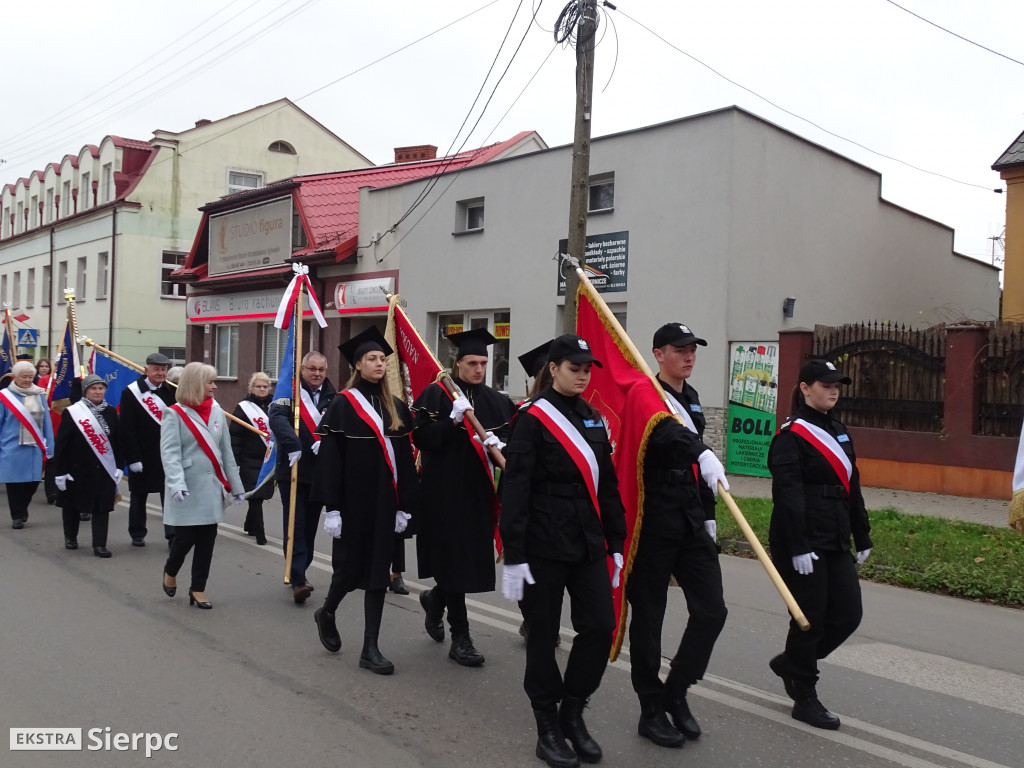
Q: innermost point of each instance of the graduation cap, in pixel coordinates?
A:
(370, 340)
(25, 356)
(534, 360)
(473, 342)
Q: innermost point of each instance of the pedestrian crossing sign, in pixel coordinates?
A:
(28, 337)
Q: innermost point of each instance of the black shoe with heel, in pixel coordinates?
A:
(198, 603)
(169, 591)
(397, 584)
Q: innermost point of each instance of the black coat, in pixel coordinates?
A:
(249, 449)
(140, 438)
(283, 427)
(545, 508)
(72, 455)
(455, 534)
(353, 477)
(812, 512)
(677, 500)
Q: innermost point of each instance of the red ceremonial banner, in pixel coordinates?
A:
(419, 368)
(631, 408)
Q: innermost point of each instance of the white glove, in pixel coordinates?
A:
(617, 558)
(293, 457)
(863, 555)
(712, 471)
(237, 498)
(179, 496)
(402, 521)
(711, 526)
(332, 524)
(459, 407)
(803, 564)
(62, 482)
(513, 578)
(316, 447)
(492, 439)
(135, 467)
(118, 475)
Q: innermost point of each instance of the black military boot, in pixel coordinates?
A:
(463, 651)
(327, 629)
(684, 722)
(570, 719)
(372, 659)
(654, 725)
(780, 666)
(807, 708)
(551, 746)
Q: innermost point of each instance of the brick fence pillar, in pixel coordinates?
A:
(795, 345)
(965, 346)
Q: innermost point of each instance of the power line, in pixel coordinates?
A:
(954, 34)
(799, 117)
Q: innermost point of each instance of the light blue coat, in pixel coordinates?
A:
(187, 468)
(22, 463)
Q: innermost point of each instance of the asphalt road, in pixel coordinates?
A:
(89, 643)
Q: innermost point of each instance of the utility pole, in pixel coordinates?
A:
(579, 194)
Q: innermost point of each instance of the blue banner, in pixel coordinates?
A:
(117, 375)
(65, 370)
(282, 390)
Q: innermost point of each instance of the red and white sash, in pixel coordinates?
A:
(373, 419)
(827, 446)
(309, 413)
(150, 403)
(202, 435)
(258, 417)
(21, 413)
(573, 442)
(94, 435)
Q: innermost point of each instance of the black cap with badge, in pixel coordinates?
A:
(535, 360)
(676, 334)
(823, 371)
(474, 342)
(370, 340)
(572, 348)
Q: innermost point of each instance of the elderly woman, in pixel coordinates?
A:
(200, 477)
(26, 435)
(251, 449)
(87, 461)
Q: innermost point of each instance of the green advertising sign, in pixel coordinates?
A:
(753, 395)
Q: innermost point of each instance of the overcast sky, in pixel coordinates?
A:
(862, 69)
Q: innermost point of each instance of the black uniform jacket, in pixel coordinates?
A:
(353, 477)
(546, 511)
(812, 511)
(283, 427)
(455, 534)
(140, 437)
(249, 449)
(677, 500)
(72, 455)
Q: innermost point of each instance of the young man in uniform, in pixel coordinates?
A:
(677, 538)
(455, 542)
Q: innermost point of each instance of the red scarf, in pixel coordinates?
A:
(204, 409)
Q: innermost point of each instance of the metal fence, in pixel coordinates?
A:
(1002, 371)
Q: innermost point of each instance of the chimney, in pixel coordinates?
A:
(203, 121)
(414, 154)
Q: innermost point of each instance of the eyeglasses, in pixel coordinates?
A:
(314, 370)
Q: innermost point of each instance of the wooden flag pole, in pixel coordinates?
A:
(296, 406)
(773, 573)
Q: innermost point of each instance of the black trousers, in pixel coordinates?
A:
(307, 518)
(98, 505)
(137, 512)
(830, 599)
(254, 517)
(398, 554)
(455, 604)
(19, 495)
(202, 537)
(693, 560)
(593, 618)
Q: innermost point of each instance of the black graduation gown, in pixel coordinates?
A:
(352, 476)
(72, 455)
(249, 449)
(140, 438)
(455, 535)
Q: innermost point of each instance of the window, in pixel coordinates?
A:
(602, 192)
(298, 233)
(34, 215)
(225, 354)
(65, 199)
(171, 261)
(176, 354)
(47, 288)
(62, 280)
(101, 275)
(108, 182)
(49, 206)
(498, 323)
(5, 225)
(240, 182)
(30, 288)
(84, 194)
(19, 222)
(3, 289)
(274, 342)
(16, 291)
(469, 215)
(281, 146)
(80, 278)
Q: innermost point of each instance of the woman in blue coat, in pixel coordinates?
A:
(26, 434)
(200, 477)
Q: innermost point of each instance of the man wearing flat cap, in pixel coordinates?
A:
(143, 403)
(677, 538)
(455, 543)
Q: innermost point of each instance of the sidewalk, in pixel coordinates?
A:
(994, 512)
